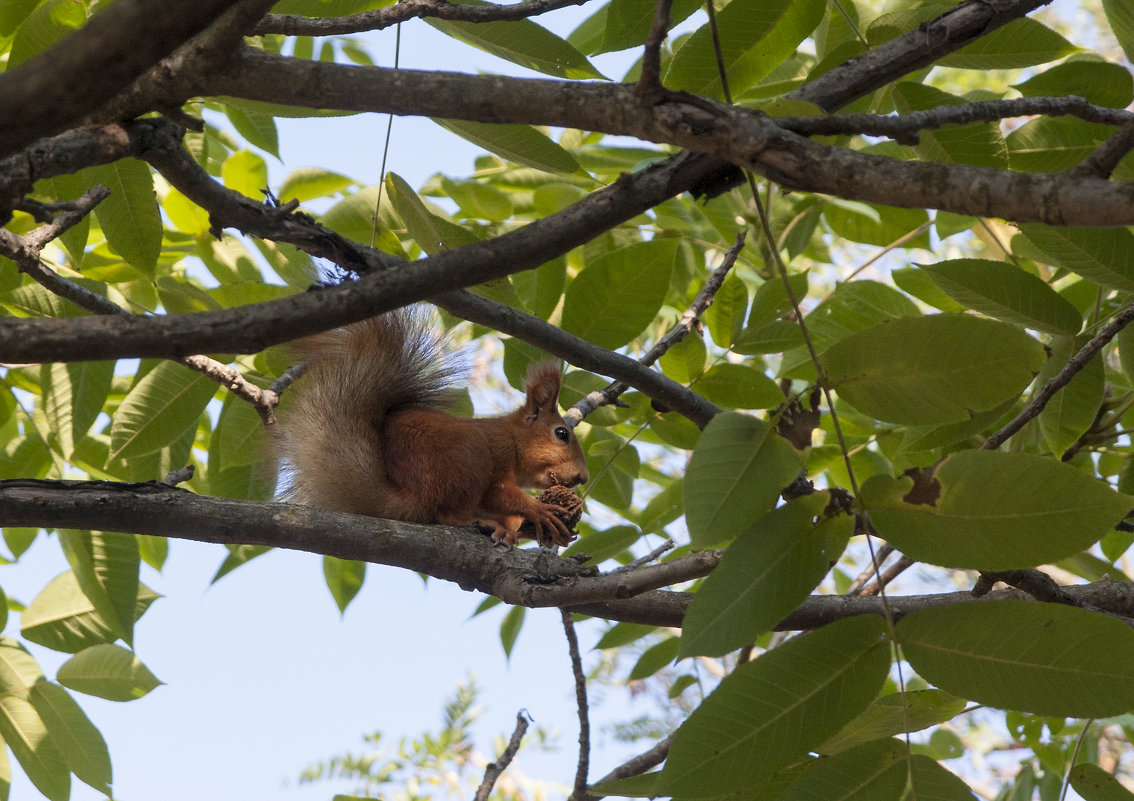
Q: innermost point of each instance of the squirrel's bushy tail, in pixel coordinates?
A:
(329, 437)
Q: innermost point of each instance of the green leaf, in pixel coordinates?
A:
(896, 713)
(1007, 293)
(1120, 15)
(308, 183)
(246, 173)
(43, 27)
(766, 573)
(238, 556)
(654, 659)
(238, 437)
(934, 369)
(73, 397)
(433, 233)
(641, 786)
(628, 22)
(619, 293)
(62, 618)
(606, 544)
(1021, 43)
(258, 129)
(108, 671)
(770, 712)
(1053, 144)
(754, 37)
(876, 770)
(106, 565)
(510, 628)
(738, 386)
(774, 337)
(736, 473)
(685, 361)
(725, 317)
(129, 216)
(918, 284)
(344, 579)
(1073, 409)
(80, 743)
(1095, 784)
(977, 144)
(1049, 659)
(1102, 255)
(992, 509)
(1099, 82)
(623, 634)
(18, 669)
(478, 200)
(521, 42)
(520, 143)
(27, 736)
(161, 407)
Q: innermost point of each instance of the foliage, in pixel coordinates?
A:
(885, 347)
(441, 765)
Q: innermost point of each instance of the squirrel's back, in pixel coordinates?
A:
(329, 439)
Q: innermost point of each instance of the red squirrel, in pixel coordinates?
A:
(365, 432)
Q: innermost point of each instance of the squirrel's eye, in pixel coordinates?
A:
(563, 434)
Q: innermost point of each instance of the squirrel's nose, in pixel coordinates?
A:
(582, 477)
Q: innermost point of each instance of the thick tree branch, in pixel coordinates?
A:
(521, 577)
(76, 76)
(741, 136)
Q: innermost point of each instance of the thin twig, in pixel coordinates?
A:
(639, 764)
(668, 545)
(870, 570)
(649, 82)
(493, 770)
(1076, 363)
(25, 252)
(905, 128)
(1103, 161)
(888, 575)
(379, 19)
(610, 393)
(580, 791)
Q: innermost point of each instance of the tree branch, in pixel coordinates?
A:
(580, 790)
(741, 136)
(689, 318)
(1061, 379)
(516, 576)
(493, 770)
(76, 76)
(378, 19)
(904, 128)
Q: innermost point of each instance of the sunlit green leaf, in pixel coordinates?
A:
(107, 671)
(79, 742)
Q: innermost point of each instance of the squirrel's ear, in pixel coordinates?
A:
(542, 386)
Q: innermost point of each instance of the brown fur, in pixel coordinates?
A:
(366, 432)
